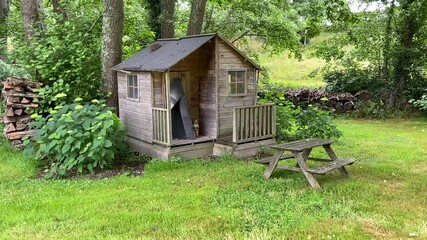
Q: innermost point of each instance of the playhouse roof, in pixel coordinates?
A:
(165, 53)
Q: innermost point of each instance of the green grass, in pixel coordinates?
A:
(292, 72)
(229, 199)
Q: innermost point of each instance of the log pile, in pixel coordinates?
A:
(21, 95)
(338, 102)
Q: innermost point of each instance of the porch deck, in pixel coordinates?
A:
(200, 139)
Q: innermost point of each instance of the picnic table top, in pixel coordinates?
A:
(302, 145)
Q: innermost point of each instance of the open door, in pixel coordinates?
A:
(182, 127)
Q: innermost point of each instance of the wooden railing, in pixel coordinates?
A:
(253, 123)
(161, 126)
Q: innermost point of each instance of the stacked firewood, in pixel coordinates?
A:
(21, 96)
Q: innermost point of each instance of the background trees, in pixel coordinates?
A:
(69, 41)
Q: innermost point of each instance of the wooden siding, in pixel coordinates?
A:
(136, 114)
(229, 59)
(158, 90)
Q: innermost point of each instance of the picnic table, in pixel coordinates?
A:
(300, 150)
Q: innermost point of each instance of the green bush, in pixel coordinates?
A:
(420, 103)
(294, 122)
(76, 136)
(350, 80)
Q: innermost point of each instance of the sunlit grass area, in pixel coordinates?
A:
(229, 199)
(289, 71)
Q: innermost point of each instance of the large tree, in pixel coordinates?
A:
(112, 33)
(30, 16)
(167, 18)
(195, 22)
(4, 11)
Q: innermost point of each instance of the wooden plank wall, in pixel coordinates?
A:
(136, 114)
(229, 59)
(158, 90)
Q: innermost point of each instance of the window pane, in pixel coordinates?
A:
(130, 92)
(240, 88)
(135, 92)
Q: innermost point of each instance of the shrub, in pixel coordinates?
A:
(349, 80)
(294, 122)
(76, 136)
(420, 103)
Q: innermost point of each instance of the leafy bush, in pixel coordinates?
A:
(349, 80)
(421, 103)
(49, 95)
(294, 122)
(81, 136)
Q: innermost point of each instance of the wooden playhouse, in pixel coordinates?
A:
(193, 97)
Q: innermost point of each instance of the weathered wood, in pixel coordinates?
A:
(334, 157)
(21, 126)
(23, 106)
(337, 164)
(272, 165)
(20, 135)
(13, 81)
(15, 99)
(303, 144)
(31, 89)
(303, 166)
(19, 89)
(7, 86)
(251, 123)
(10, 127)
(9, 112)
(18, 112)
(22, 118)
(20, 94)
(25, 100)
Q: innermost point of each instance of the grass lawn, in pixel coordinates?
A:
(292, 72)
(229, 199)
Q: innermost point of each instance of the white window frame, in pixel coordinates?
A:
(133, 87)
(245, 82)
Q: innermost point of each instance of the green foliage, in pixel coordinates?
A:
(388, 43)
(294, 122)
(351, 80)
(50, 95)
(77, 136)
(420, 103)
(68, 51)
(7, 70)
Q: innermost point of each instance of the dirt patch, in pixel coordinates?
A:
(375, 230)
(135, 168)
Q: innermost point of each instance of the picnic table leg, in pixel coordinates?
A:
(303, 166)
(305, 155)
(334, 157)
(273, 164)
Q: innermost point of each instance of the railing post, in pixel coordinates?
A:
(235, 124)
(168, 110)
(273, 121)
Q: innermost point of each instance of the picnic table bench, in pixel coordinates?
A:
(300, 150)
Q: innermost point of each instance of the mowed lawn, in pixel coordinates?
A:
(386, 197)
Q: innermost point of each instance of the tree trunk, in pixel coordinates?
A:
(111, 55)
(30, 17)
(4, 12)
(197, 14)
(154, 11)
(57, 8)
(167, 18)
(406, 32)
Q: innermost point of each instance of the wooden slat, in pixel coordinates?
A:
(303, 144)
(253, 123)
(331, 166)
